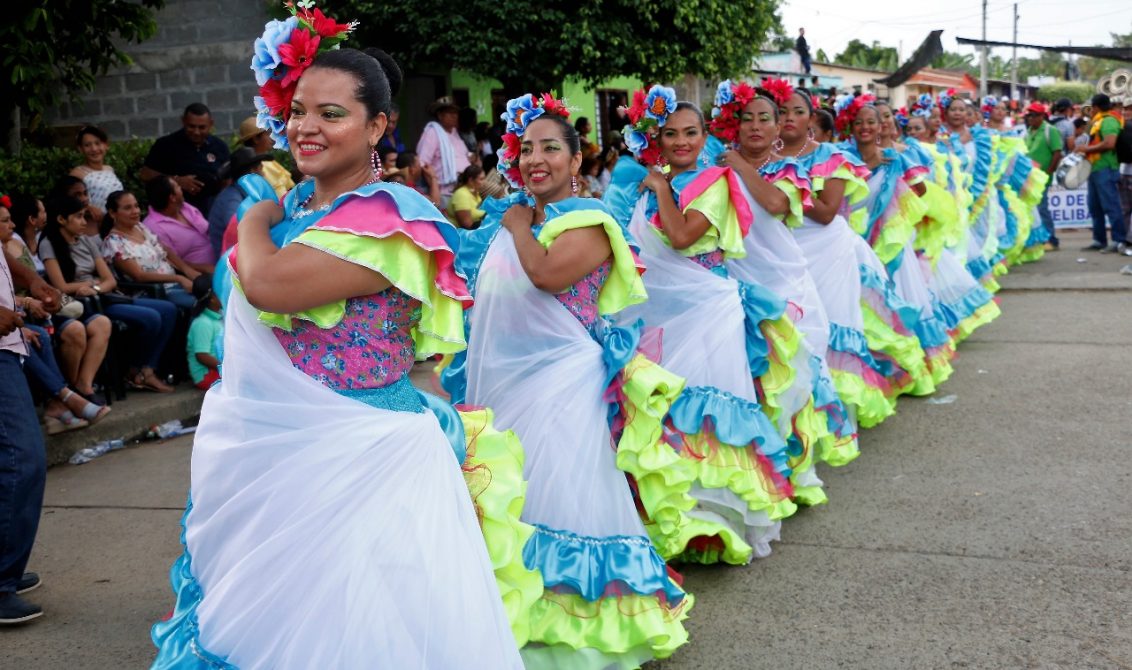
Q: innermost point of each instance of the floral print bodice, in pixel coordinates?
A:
(711, 261)
(581, 299)
(371, 347)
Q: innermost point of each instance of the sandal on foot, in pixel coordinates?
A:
(65, 422)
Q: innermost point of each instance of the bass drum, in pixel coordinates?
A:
(1073, 171)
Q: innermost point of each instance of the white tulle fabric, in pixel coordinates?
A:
(831, 252)
(698, 312)
(534, 364)
(703, 339)
(326, 533)
(950, 280)
(775, 261)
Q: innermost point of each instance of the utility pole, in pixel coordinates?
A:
(983, 60)
(1014, 59)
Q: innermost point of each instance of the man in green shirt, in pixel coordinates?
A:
(1043, 144)
(1104, 180)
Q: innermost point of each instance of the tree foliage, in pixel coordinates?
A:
(57, 48)
(870, 56)
(1077, 91)
(535, 46)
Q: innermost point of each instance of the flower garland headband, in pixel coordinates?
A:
(730, 99)
(923, 106)
(284, 51)
(647, 115)
(847, 108)
(989, 103)
(945, 99)
(520, 113)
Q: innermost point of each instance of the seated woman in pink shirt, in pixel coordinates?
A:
(179, 225)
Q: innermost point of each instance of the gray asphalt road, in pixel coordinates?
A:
(992, 531)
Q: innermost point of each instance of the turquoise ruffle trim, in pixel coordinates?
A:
(853, 342)
(178, 637)
(759, 304)
(590, 565)
(735, 421)
(955, 312)
(908, 314)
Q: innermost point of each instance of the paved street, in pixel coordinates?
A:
(987, 527)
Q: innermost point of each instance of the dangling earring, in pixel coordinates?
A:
(878, 140)
(778, 145)
(810, 134)
(703, 160)
(375, 163)
(574, 184)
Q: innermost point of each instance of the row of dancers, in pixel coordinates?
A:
(635, 383)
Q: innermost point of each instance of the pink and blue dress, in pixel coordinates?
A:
(337, 517)
(583, 400)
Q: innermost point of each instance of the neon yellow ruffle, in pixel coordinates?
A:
(794, 215)
(493, 471)
(724, 233)
(812, 429)
(409, 267)
(939, 365)
(871, 404)
(904, 350)
(785, 341)
(900, 226)
(614, 630)
(982, 316)
(624, 286)
(939, 228)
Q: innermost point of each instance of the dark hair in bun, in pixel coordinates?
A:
(378, 75)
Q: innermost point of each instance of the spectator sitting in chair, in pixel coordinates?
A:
(464, 207)
(259, 141)
(244, 161)
(40, 367)
(179, 225)
(75, 266)
(136, 253)
(206, 335)
(69, 185)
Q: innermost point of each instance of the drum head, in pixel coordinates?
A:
(1077, 174)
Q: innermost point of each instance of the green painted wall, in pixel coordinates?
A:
(580, 97)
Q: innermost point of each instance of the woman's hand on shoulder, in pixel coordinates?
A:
(264, 212)
(655, 182)
(518, 217)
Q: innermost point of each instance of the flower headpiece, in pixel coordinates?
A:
(923, 106)
(989, 103)
(647, 115)
(520, 113)
(901, 117)
(5, 201)
(847, 107)
(730, 99)
(780, 90)
(284, 51)
(945, 99)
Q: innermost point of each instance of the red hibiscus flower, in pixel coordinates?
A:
(637, 109)
(780, 90)
(5, 201)
(298, 53)
(744, 93)
(650, 155)
(324, 25)
(511, 146)
(277, 97)
(554, 106)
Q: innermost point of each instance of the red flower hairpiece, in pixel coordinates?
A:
(849, 112)
(780, 90)
(5, 201)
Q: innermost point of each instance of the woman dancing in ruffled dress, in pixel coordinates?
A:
(329, 524)
(733, 493)
(542, 354)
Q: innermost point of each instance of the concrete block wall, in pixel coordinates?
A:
(201, 53)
